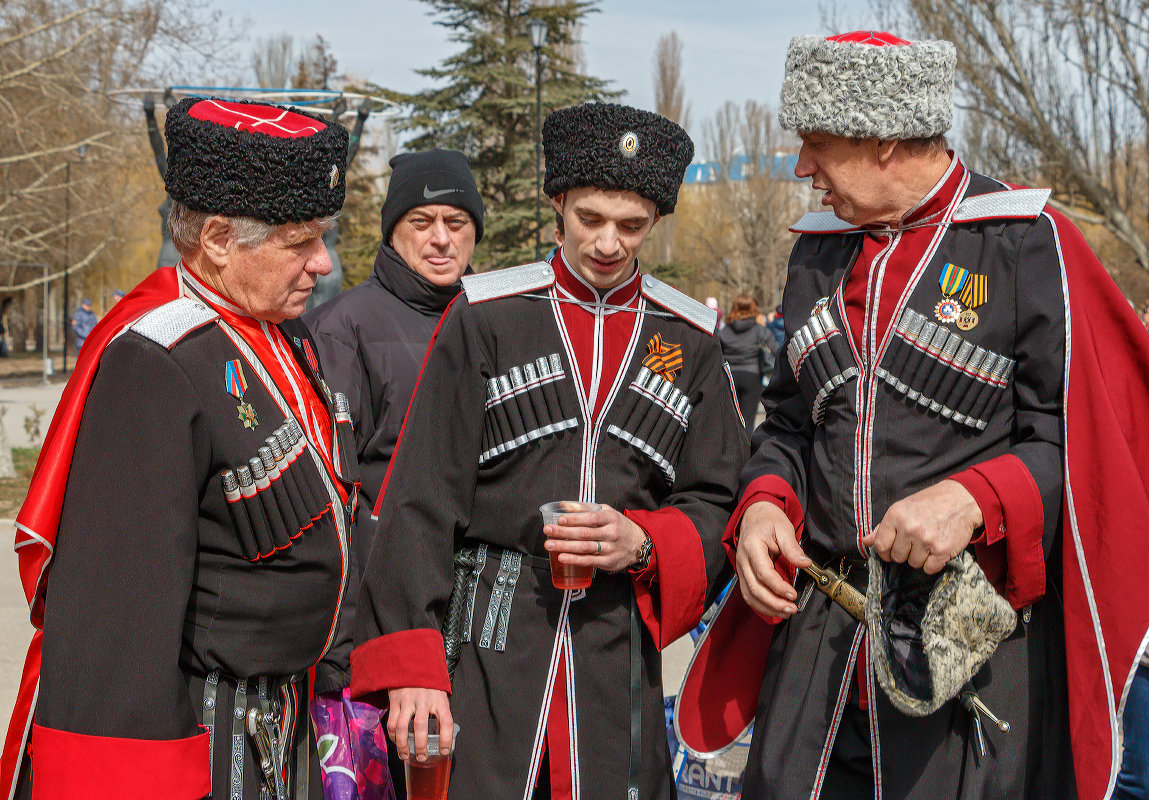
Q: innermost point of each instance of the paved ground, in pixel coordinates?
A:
(15, 630)
(21, 401)
(19, 398)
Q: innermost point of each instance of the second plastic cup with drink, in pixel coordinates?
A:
(430, 779)
(567, 576)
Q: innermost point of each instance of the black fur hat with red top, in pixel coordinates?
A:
(243, 159)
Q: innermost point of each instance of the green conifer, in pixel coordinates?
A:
(484, 104)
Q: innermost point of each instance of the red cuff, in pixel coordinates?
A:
(672, 603)
(1011, 553)
(770, 489)
(106, 768)
(992, 515)
(399, 660)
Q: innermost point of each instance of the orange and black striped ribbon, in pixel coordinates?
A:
(663, 357)
(975, 292)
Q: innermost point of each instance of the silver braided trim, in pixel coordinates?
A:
(172, 321)
(1015, 204)
(822, 222)
(685, 306)
(650, 452)
(509, 281)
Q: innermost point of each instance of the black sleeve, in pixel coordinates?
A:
(1039, 381)
(780, 446)
(125, 556)
(426, 509)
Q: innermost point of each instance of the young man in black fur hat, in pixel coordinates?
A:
(194, 495)
(578, 379)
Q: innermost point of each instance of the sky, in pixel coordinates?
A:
(732, 49)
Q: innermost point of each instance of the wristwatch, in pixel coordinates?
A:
(642, 555)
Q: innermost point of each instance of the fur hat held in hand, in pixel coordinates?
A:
(242, 159)
(929, 634)
(616, 147)
(868, 85)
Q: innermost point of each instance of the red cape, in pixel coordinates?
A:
(39, 517)
(1105, 551)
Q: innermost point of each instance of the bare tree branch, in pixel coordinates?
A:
(1057, 93)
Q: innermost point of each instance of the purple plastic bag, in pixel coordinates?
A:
(352, 744)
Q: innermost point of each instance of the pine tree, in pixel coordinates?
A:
(485, 106)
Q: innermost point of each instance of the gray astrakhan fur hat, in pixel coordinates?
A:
(616, 147)
(868, 84)
(930, 634)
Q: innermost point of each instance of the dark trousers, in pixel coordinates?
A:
(1133, 779)
(748, 385)
(850, 773)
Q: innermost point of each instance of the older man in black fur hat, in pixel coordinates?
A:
(578, 379)
(191, 506)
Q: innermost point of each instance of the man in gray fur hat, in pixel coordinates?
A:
(930, 333)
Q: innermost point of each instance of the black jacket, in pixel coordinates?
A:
(372, 340)
(742, 342)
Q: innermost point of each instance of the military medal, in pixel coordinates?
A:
(947, 310)
(973, 294)
(236, 387)
(820, 306)
(952, 280)
(663, 357)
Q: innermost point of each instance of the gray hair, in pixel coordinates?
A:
(185, 226)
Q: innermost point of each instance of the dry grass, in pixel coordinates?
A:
(13, 490)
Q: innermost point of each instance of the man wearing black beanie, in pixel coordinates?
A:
(371, 338)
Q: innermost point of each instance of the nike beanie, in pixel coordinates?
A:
(431, 177)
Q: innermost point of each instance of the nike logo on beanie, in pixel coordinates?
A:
(429, 195)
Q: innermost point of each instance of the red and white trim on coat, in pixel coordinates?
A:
(553, 672)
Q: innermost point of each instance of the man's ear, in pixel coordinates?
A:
(215, 239)
(657, 217)
(886, 150)
(557, 202)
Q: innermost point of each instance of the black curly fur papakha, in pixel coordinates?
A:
(219, 169)
(616, 147)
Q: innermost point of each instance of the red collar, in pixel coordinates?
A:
(574, 286)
